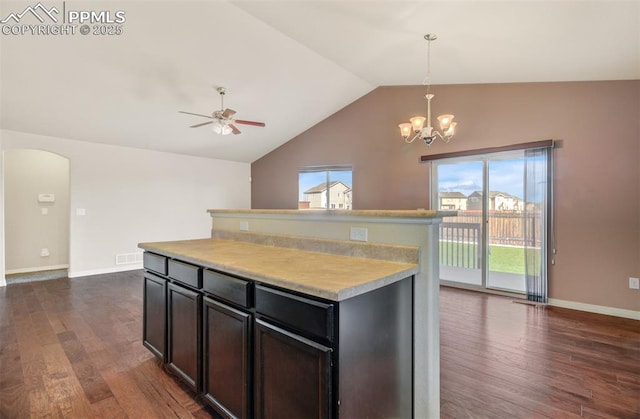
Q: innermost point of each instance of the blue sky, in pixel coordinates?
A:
(504, 176)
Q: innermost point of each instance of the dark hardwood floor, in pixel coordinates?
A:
(505, 360)
(72, 348)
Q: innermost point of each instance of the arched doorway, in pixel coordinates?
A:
(36, 215)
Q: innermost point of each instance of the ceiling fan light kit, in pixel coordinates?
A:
(220, 128)
(222, 121)
(416, 126)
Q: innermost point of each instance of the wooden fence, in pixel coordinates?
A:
(504, 227)
(460, 236)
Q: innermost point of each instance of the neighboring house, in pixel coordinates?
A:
(339, 196)
(452, 201)
(498, 201)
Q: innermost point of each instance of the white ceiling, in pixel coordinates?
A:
(288, 63)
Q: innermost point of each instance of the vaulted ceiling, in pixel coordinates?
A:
(288, 63)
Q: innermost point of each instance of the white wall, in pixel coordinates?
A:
(28, 173)
(2, 280)
(133, 195)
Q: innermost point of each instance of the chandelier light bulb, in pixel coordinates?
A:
(417, 122)
(445, 121)
(405, 130)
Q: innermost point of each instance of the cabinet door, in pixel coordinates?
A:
(154, 319)
(292, 375)
(183, 352)
(226, 364)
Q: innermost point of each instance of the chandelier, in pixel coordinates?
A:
(416, 126)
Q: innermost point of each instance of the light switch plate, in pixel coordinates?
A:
(634, 283)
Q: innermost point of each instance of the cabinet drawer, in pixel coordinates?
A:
(155, 263)
(308, 317)
(186, 273)
(232, 289)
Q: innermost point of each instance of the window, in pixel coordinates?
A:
(325, 187)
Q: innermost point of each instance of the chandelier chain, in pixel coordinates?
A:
(427, 79)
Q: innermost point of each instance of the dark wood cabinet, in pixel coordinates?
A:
(292, 375)
(252, 349)
(184, 331)
(310, 318)
(155, 263)
(376, 353)
(154, 322)
(226, 381)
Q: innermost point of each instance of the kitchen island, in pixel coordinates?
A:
(266, 331)
(301, 313)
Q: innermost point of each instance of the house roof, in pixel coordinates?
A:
(493, 194)
(458, 195)
(323, 187)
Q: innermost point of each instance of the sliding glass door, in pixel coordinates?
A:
(505, 222)
(500, 221)
(461, 244)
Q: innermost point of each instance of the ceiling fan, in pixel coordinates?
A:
(222, 120)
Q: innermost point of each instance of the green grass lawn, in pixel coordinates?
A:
(501, 258)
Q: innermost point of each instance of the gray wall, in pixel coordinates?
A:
(597, 179)
(29, 173)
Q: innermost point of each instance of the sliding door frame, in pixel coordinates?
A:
(484, 156)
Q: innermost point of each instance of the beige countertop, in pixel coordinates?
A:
(336, 213)
(324, 275)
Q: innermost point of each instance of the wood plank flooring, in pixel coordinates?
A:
(505, 360)
(72, 348)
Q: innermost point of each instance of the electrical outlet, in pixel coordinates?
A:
(244, 225)
(634, 283)
(359, 234)
(44, 252)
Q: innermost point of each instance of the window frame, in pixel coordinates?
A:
(327, 169)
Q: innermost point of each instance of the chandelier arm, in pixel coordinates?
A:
(442, 137)
(409, 141)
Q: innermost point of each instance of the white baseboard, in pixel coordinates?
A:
(77, 274)
(592, 308)
(36, 269)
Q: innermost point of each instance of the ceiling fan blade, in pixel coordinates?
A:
(196, 114)
(234, 129)
(257, 124)
(228, 113)
(199, 125)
